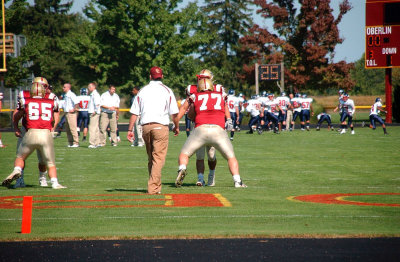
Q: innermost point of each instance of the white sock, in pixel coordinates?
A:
(200, 177)
(54, 180)
(236, 178)
(17, 168)
(1, 142)
(182, 167)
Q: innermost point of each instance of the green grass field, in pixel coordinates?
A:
(275, 168)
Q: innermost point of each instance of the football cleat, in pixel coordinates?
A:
(180, 177)
(92, 146)
(42, 181)
(259, 131)
(343, 131)
(13, 176)
(318, 128)
(352, 132)
(240, 184)
(200, 183)
(211, 180)
(19, 183)
(57, 186)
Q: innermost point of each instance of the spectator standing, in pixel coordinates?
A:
(289, 113)
(109, 104)
(94, 115)
(137, 128)
(71, 105)
(154, 104)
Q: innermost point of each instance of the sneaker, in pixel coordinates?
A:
(180, 177)
(343, 131)
(74, 145)
(308, 128)
(13, 176)
(20, 183)
(140, 145)
(57, 186)
(200, 183)
(114, 144)
(317, 128)
(92, 146)
(211, 180)
(133, 145)
(352, 132)
(231, 138)
(42, 181)
(240, 184)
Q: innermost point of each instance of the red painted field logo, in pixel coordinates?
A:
(117, 201)
(340, 199)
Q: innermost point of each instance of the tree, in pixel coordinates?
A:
(304, 40)
(49, 24)
(228, 20)
(133, 35)
(368, 81)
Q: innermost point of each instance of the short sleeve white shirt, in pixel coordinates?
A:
(70, 101)
(154, 103)
(109, 100)
(94, 102)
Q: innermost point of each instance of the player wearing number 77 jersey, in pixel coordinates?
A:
(209, 110)
(37, 113)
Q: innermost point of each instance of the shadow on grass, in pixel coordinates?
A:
(127, 190)
(184, 185)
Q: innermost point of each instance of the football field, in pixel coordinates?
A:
(300, 184)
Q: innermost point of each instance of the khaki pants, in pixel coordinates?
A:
(71, 128)
(289, 118)
(94, 130)
(155, 137)
(105, 119)
(138, 133)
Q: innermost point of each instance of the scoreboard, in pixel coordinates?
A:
(382, 34)
(269, 72)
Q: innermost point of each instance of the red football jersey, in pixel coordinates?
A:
(210, 108)
(38, 112)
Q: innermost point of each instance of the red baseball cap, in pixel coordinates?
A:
(156, 72)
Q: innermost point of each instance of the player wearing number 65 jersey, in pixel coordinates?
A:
(209, 110)
(37, 113)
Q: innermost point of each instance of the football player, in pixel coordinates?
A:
(340, 105)
(256, 114)
(24, 95)
(272, 108)
(306, 107)
(83, 115)
(296, 103)
(37, 112)
(200, 153)
(374, 115)
(324, 117)
(348, 110)
(209, 111)
(233, 107)
(283, 102)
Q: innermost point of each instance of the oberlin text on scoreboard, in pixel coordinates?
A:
(382, 34)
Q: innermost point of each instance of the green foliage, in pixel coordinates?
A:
(228, 20)
(396, 103)
(132, 36)
(368, 81)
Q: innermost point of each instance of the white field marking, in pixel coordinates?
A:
(186, 217)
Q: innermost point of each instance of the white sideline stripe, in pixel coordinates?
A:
(185, 217)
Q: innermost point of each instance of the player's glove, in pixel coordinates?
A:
(228, 124)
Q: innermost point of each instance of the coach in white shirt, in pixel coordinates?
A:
(71, 105)
(109, 104)
(94, 112)
(154, 104)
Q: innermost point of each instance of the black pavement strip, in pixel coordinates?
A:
(268, 249)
